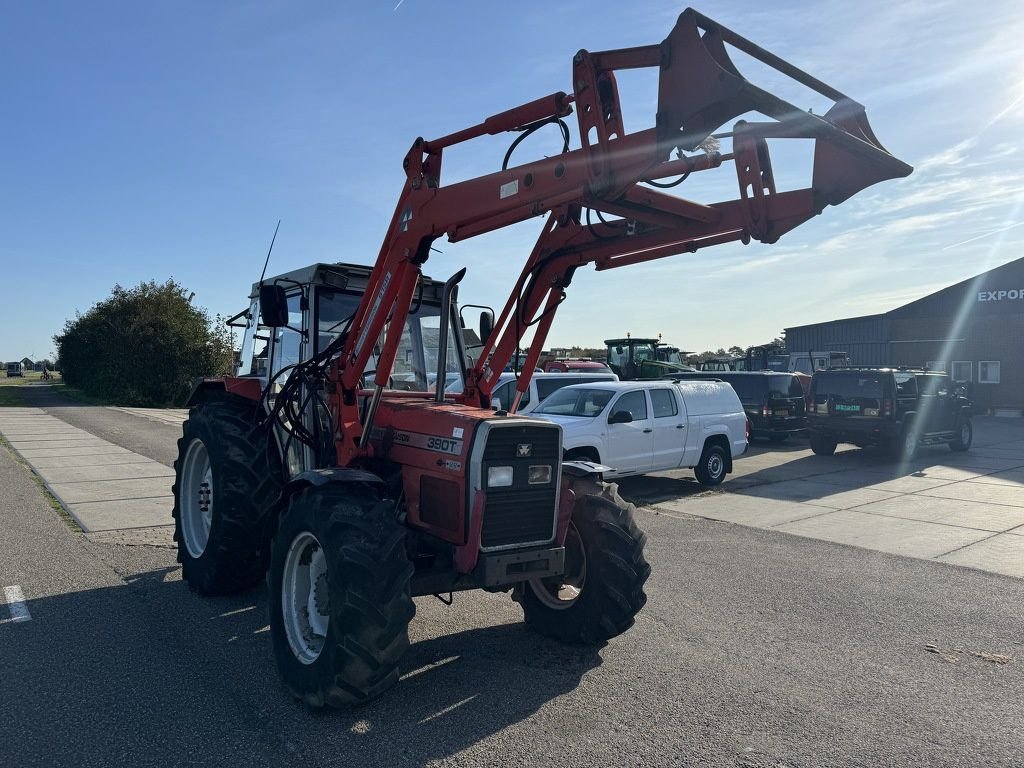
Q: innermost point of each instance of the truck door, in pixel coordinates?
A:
(669, 418)
(631, 444)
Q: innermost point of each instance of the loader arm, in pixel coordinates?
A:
(609, 175)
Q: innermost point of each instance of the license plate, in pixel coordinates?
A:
(849, 408)
(781, 413)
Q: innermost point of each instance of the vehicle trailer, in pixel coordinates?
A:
(358, 478)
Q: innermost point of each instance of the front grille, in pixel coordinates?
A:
(503, 443)
(520, 513)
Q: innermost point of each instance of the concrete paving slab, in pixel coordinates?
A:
(945, 472)
(123, 513)
(966, 514)
(103, 486)
(974, 460)
(910, 484)
(1002, 553)
(175, 416)
(969, 490)
(44, 453)
(78, 442)
(898, 536)
(110, 490)
(118, 471)
(821, 494)
(1013, 477)
(95, 460)
(732, 508)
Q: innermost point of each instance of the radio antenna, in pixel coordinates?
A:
(271, 248)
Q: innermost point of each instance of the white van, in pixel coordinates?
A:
(541, 386)
(635, 427)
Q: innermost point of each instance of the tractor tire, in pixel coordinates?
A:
(340, 602)
(225, 483)
(822, 446)
(602, 589)
(964, 436)
(711, 469)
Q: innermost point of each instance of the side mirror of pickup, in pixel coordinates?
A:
(620, 417)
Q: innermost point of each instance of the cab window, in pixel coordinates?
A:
(635, 403)
(664, 403)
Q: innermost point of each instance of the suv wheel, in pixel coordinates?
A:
(822, 446)
(904, 448)
(964, 436)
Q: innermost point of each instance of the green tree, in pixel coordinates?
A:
(143, 346)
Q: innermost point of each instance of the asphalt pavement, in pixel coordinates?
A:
(756, 648)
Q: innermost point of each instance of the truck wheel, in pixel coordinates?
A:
(822, 446)
(904, 447)
(710, 470)
(602, 589)
(340, 602)
(964, 436)
(224, 486)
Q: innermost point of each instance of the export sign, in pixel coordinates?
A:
(1000, 295)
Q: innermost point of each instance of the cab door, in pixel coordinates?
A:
(631, 443)
(668, 415)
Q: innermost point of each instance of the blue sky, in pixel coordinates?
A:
(154, 140)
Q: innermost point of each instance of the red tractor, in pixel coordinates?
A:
(355, 459)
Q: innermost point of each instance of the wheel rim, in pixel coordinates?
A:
(196, 498)
(909, 444)
(715, 465)
(304, 597)
(965, 434)
(561, 592)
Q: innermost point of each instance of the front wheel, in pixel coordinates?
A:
(964, 437)
(711, 469)
(340, 602)
(602, 588)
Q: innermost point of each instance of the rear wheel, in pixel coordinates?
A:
(711, 469)
(340, 602)
(964, 436)
(822, 446)
(225, 482)
(602, 588)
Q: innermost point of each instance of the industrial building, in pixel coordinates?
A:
(973, 329)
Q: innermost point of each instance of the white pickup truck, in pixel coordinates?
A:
(636, 427)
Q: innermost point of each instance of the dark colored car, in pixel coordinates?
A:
(774, 402)
(898, 409)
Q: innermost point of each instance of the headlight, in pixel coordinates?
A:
(498, 477)
(540, 474)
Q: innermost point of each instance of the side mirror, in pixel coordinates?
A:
(273, 306)
(620, 417)
(486, 326)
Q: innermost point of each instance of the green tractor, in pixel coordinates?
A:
(638, 359)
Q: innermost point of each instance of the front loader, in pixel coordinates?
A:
(356, 460)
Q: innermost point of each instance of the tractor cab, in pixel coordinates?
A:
(636, 358)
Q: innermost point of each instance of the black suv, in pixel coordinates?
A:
(774, 402)
(899, 409)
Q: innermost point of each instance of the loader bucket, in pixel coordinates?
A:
(700, 89)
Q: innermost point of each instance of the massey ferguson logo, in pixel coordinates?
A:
(523, 450)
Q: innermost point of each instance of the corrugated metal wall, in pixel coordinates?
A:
(863, 338)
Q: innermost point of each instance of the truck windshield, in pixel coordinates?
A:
(583, 401)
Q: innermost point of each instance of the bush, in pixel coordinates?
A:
(143, 346)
